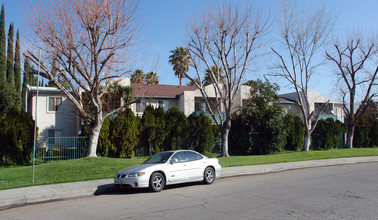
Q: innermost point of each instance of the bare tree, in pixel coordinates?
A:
(225, 37)
(303, 35)
(90, 41)
(357, 65)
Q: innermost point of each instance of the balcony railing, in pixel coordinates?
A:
(325, 116)
(218, 118)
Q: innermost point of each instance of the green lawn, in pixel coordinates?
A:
(63, 171)
(296, 156)
(101, 168)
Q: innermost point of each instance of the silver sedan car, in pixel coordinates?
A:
(169, 167)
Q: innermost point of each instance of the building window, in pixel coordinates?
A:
(54, 136)
(161, 104)
(55, 104)
(327, 108)
(200, 107)
(200, 104)
(140, 106)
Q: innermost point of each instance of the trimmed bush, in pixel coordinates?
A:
(201, 133)
(176, 126)
(153, 131)
(105, 148)
(366, 131)
(294, 132)
(239, 138)
(328, 132)
(16, 138)
(124, 134)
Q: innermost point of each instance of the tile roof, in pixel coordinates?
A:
(166, 91)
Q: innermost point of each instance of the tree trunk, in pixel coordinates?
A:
(307, 142)
(307, 137)
(224, 136)
(94, 133)
(350, 135)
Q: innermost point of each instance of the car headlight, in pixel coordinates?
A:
(136, 174)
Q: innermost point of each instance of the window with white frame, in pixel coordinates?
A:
(54, 104)
(140, 106)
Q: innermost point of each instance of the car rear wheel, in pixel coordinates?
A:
(209, 175)
(157, 182)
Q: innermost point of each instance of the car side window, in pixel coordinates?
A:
(178, 157)
(192, 156)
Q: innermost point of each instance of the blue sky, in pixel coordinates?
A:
(164, 27)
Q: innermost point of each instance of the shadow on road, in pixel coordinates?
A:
(110, 189)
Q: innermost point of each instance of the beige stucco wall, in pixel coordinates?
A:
(186, 102)
(65, 120)
(338, 111)
(315, 97)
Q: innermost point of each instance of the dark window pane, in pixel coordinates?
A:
(178, 157)
(192, 156)
(58, 103)
(51, 104)
(161, 104)
(140, 106)
(51, 135)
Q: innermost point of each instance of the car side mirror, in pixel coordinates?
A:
(171, 162)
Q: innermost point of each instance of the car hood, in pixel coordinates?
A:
(137, 168)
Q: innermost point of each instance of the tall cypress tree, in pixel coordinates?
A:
(33, 79)
(17, 65)
(10, 61)
(25, 82)
(3, 47)
(30, 76)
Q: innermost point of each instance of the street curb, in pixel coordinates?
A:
(280, 167)
(56, 192)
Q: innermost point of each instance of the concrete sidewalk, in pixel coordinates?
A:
(45, 193)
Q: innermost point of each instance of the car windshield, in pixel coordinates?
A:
(161, 157)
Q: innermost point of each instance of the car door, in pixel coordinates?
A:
(195, 165)
(178, 170)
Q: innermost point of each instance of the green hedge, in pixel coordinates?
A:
(16, 137)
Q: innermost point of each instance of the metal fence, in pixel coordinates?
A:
(61, 148)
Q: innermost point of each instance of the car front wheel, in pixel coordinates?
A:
(157, 182)
(209, 175)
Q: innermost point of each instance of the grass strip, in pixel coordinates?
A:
(296, 156)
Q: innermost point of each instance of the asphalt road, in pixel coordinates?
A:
(337, 192)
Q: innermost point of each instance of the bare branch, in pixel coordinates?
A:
(226, 37)
(90, 41)
(356, 61)
(303, 34)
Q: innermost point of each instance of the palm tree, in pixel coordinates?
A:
(152, 78)
(216, 71)
(180, 60)
(192, 83)
(138, 76)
